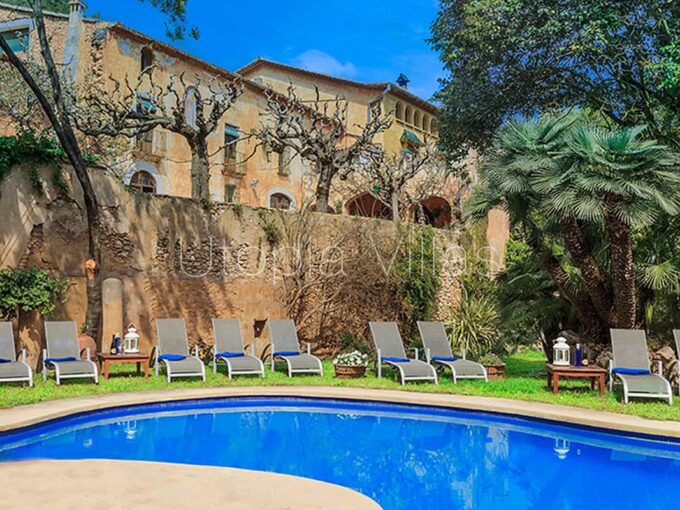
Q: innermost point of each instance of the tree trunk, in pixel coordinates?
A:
(623, 266)
(61, 124)
(200, 169)
(394, 199)
(592, 324)
(582, 256)
(323, 189)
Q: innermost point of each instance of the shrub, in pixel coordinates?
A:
(29, 290)
(352, 359)
(473, 324)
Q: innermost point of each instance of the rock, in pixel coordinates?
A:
(603, 358)
(665, 355)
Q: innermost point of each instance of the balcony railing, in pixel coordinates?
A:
(234, 162)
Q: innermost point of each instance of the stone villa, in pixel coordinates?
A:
(159, 162)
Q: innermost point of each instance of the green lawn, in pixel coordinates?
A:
(525, 380)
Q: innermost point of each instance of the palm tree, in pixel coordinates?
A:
(578, 192)
(619, 180)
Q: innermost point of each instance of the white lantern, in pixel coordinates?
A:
(561, 352)
(131, 341)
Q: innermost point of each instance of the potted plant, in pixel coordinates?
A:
(350, 365)
(495, 368)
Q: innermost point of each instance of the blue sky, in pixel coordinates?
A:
(364, 40)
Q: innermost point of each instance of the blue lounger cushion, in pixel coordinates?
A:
(229, 355)
(631, 371)
(59, 360)
(171, 357)
(395, 360)
(286, 353)
(444, 358)
(3, 360)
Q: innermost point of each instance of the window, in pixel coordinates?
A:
(399, 111)
(408, 116)
(17, 39)
(426, 123)
(143, 182)
(416, 119)
(144, 142)
(280, 201)
(231, 136)
(191, 100)
(147, 58)
(433, 127)
(231, 193)
(284, 161)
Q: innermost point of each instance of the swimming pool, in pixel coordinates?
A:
(404, 457)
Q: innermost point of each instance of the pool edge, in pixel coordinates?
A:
(33, 414)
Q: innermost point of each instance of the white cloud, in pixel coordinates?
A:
(321, 62)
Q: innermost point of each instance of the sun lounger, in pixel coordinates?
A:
(390, 350)
(173, 351)
(12, 369)
(63, 354)
(286, 347)
(229, 349)
(631, 365)
(438, 351)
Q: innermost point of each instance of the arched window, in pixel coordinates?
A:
(408, 117)
(399, 111)
(368, 205)
(416, 119)
(426, 123)
(143, 182)
(280, 201)
(433, 127)
(191, 99)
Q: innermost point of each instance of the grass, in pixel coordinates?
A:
(525, 380)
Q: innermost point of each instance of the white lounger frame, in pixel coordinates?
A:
(230, 371)
(57, 371)
(402, 377)
(29, 379)
(168, 370)
(292, 371)
(428, 357)
(627, 393)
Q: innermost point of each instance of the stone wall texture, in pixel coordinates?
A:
(176, 258)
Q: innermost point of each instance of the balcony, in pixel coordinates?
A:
(234, 163)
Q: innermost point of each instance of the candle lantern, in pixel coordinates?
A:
(131, 340)
(562, 448)
(561, 352)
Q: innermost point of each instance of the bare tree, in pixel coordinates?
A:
(404, 180)
(55, 106)
(317, 131)
(192, 109)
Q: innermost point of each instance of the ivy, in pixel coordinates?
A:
(29, 290)
(28, 149)
(417, 270)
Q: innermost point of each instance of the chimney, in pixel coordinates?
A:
(403, 81)
(72, 47)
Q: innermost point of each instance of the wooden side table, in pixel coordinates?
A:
(593, 373)
(106, 360)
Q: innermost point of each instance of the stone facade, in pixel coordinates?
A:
(172, 257)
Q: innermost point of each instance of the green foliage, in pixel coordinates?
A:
(271, 228)
(61, 6)
(351, 341)
(238, 210)
(510, 57)
(417, 270)
(472, 324)
(28, 149)
(29, 290)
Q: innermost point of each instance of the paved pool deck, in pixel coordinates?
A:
(116, 485)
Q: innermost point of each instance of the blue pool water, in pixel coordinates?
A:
(404, 457)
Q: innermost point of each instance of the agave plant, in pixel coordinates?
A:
(473, 324)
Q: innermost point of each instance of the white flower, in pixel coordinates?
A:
(352, 359)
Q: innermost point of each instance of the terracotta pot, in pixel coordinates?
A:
(349, 372)
(87, 342)
(495, 371)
